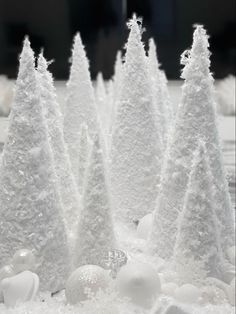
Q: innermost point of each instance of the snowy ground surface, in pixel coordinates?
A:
(109, 304)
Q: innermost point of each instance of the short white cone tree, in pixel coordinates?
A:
(30, 207)
(135, 148)
(84, 151)
(160, 94)
(66, 181)
(80, 104)
(197, 253)
(196, 119)
(95, 228)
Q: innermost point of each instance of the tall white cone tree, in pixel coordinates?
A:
(197, 252)
(66, 181)
(30, 207)
(103, 107)
(161, 97)
(158, 99)
(136, 152)
(95, 228)
(117, 79)
(84, 149)
(80, 105)
(196, 119)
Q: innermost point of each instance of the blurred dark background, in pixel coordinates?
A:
(52, 23)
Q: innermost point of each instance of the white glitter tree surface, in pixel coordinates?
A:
(136, 151)
(30, 206)
(196, 119)
(95, 228)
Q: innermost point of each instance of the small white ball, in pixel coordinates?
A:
(169, 288)
(144, 226)
(85, 282)
(231, 254)
(139, 282)
(188, 294)
(23, 260)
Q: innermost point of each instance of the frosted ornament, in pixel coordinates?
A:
(139, 282)
(22, 287)
(5, 272)
(113, 260)
(23, 260)
(144, 226)
(85, 282)
(188, 294)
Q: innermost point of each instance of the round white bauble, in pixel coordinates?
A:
(139, 282)
(5, 272)
(169, 288)
(231, 254)
(85, 282)
(23, 260)
(213, 294)
(144, 226)
(188, 294)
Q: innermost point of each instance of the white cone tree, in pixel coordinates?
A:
(135, 149)
(160, 94)
(80, 104)
(84, 151)
(117, 79)
(197, 252)
(95, 228)
(30, 206)
(103, 107)
(66, 181)
(196, 119)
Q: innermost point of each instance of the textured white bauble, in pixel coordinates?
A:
(188, 294)
(85, 282)
(144, 226)
(5, 272)
(231, 254)
(169, 288)
(139, 282)
(23, 260)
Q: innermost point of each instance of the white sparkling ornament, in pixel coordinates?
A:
(85, 282)
(5, 272)
(113, 260)
(19, 288)
(23, 260)
(188, 294)
(139, 282)
(231, 254)
(144, 226)
(169, 288)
